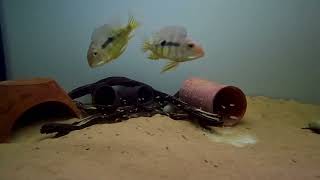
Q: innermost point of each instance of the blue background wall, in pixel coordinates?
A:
(3, 73)
(269, 48)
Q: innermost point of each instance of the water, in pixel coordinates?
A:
(268, 48)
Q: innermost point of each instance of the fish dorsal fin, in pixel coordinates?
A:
(102, 33)
(172, 33)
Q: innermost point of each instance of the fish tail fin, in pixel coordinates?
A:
(146, 46)
(133, 23)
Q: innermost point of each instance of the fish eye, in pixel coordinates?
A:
(191, 45)
(95, 53)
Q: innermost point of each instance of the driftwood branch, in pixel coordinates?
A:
(98, 114)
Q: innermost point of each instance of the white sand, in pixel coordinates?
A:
(268, 144)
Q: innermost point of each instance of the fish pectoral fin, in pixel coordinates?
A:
(170, 66)
(153, 56)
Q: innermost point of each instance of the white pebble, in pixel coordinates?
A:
(233, 117)
(231, 105)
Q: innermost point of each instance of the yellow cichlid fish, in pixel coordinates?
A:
(171, 43)
(108, 42)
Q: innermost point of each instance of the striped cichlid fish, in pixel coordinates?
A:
(108, 42)
(171, 43)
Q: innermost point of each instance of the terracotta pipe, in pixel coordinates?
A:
(228, 101)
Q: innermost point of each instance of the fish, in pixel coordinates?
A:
(172, 43)
(109, 41)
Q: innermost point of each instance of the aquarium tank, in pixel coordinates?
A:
(251, 68)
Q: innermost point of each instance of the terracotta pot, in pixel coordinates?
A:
(228, 101)
(20, 96)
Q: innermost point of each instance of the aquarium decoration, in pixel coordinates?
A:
(228, 101)
(20, 96)
(116, 99)
(314, 126)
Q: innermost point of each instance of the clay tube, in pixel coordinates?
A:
(228, 101)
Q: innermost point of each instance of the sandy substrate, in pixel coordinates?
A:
(268, 144)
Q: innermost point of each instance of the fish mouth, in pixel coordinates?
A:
(199, 51)
(201, 54)
(95, 64)
(91, 62)
(196, 55)
(97, 61)
(94, 61)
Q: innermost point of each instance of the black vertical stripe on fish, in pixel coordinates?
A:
(107, 42)
(158, 49)
(169, 51)
(176, 51)
(168, 48)
(161, 50)
(182, 52)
